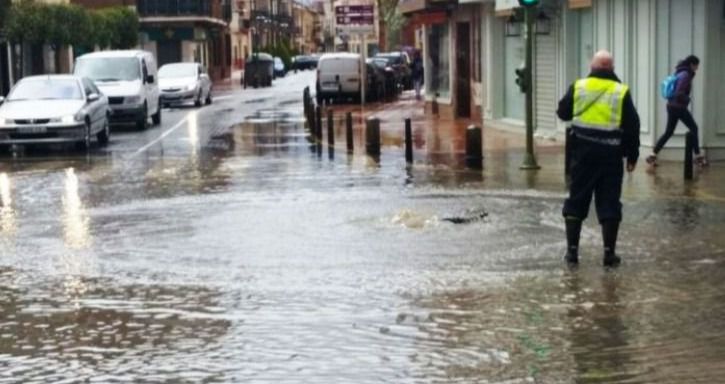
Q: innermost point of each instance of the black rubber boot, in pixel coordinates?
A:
(573, 232)
(609, 238)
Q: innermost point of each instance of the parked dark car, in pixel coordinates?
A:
(401, 62)
(258, 70)
(392, 77)
(375, 90)
(301, 63)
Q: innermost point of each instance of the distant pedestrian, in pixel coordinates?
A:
(418, 75)
(677, 110)
(605, 129)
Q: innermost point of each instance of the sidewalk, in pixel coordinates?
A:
(440, 142)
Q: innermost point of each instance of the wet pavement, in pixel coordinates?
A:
(222, 247)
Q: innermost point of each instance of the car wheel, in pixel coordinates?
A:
(105, 134)
(156, 118)
(85, 144)
(197, 101)
(208, 97)
(142, 123)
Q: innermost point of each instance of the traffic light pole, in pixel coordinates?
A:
(529, 159)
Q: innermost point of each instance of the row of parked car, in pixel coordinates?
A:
(339, 76)
(105, 87)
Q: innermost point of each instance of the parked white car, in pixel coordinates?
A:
(338, 75)
(129, 79)
(54, 109)
(182, 82)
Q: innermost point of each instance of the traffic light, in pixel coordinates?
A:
(528, 3)
(521, 79)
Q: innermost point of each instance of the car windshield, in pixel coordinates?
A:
(46, 89)
(278, 61)
(109, 69)
(392, 58)
(177, 70)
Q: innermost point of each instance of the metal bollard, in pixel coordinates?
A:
(318, 124)
(408, 141)
(372, 136)
(348, 132)
(330, 129)
(688, 156)
(474, 146)
(434, 104)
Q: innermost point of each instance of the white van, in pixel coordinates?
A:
(338, 75)
(130, 81)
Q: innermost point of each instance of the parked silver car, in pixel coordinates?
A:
(54, 109)
(184, 82)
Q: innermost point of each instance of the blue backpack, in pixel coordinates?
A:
(668, 86)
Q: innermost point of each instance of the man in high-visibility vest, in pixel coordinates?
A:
(604, 131)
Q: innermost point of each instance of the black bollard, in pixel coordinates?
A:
(474, 146)
(372, 136)
(348, 132)
(688, 156)
(330, 129)
(318, 124)
(408, 141)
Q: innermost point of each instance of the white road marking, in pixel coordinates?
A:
(162, 136)
(223, 97)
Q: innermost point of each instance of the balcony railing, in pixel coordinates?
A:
(150, 8)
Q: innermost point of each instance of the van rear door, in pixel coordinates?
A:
(339, 74)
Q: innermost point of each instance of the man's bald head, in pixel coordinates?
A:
(602, 61)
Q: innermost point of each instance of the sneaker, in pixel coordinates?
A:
(572, 259)
(652, 160)
(611, 260)
(701, 161)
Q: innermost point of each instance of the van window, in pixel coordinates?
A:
(145, 70)
(346, 65)
(108, 69)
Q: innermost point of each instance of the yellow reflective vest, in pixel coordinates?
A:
(598, 104)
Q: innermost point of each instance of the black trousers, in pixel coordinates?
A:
(601, 180)
(675, 115)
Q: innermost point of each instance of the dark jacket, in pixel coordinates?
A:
(683, 89)
(628, 132)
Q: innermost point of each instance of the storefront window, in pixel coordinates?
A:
(437, 77)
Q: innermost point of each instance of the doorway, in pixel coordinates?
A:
(463, 70)
(169, 51)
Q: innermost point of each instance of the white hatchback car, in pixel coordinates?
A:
(54, 109)
(182, 82)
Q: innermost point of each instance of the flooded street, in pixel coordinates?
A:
(222, 248)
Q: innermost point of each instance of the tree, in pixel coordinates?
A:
(391, 21)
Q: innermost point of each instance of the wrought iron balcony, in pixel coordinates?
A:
(155, 8)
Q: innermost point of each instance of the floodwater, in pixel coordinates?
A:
(233, 251)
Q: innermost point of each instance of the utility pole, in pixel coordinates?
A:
(526, 82)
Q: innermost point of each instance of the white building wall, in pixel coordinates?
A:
(647, 39)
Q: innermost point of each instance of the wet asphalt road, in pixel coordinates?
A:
(221, 248)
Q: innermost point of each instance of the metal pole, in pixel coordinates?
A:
(529, 159)
(372, 137)
(363, 69)
(330, 130)
(688, 156)
(474, 147)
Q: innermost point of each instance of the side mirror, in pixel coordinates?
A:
(92, 97)
(150, 79)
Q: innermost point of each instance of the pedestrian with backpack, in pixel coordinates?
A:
(677, 89)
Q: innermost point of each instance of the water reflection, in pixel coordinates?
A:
(75, 219)
(598, 334)
(7, 214)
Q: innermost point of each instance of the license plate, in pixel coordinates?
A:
(32, 130)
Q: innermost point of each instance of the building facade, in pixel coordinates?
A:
(308, 27)
(647, 39)
(188, 30)
(272, 22)
(240, 28)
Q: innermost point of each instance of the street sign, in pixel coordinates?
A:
(357, 17)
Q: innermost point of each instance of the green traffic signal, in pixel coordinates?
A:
(528, 3)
